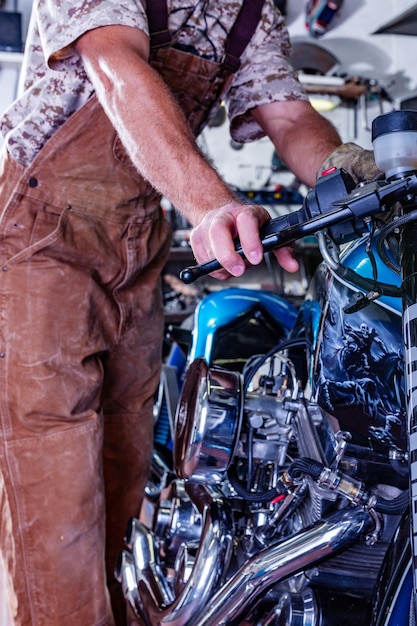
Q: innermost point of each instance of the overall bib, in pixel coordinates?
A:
(82, 246)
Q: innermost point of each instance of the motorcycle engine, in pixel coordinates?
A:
(281, 464)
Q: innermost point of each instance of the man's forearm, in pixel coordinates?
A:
(302, 138)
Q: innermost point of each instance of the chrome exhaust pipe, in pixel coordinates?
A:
(140, 541)
(277, 563)
(199, 604)
(156, 605)
(125, 573)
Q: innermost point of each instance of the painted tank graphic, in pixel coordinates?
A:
(357, 372)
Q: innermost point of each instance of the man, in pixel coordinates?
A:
(104, 124)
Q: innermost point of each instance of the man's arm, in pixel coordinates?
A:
(301, 136)
(147, 118)
(160, 144)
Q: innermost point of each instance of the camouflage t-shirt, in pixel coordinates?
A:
(54, 83)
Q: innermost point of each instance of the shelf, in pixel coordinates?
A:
(11, 59)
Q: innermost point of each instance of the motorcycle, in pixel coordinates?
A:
(291, 499)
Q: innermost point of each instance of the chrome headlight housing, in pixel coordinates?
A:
(208, 421)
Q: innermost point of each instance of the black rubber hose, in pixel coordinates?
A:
(386, 231)
(397, 506)
(305, 466)
(252, 496)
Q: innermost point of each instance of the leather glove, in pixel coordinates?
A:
(357, 161)
(360, 164)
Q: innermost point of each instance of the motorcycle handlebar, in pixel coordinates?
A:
(343, 217)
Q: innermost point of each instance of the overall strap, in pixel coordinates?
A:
(157, 13)
(241, 33)
(238, 38)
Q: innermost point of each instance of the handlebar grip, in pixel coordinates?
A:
(270, 234)
(190, 274)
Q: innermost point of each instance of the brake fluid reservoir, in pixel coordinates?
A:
(394, 137)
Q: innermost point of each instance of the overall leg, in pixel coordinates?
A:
(52, 529)
(131, 376)
(64, 306)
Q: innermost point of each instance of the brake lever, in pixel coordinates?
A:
(321, 211)
(276, 233)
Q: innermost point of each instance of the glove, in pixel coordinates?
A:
(357, 161)
(360, 164)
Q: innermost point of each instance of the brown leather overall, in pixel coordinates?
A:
(82, 245)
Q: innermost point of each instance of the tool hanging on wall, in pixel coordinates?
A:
(318, 71)
(319, 15)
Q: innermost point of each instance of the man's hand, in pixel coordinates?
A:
(213, 238)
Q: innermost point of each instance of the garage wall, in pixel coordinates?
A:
(387, 59)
